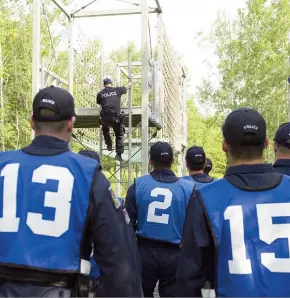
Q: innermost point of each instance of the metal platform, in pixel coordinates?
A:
(89, 117)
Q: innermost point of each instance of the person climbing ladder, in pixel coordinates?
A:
(110, 100)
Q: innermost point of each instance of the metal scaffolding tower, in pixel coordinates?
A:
(142, 122)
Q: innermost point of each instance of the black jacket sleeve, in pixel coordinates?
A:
(110, 250)
(99, 97)
(131, 206)
(121, 90)
(196, 265)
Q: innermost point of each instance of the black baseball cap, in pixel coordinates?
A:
(107, 81)
(195, 155)
(208, 165)
(91, 154)
(282, 136)
(161, 152)
(56, 99)
(244, 126)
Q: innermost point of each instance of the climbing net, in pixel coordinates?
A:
(172, 76)
(87, 79)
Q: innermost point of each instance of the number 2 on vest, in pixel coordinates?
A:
(164, 218)
(59, 200)
(268, 232)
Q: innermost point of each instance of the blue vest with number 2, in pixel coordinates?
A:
(252, 230)
(161, 208)
(43, 209)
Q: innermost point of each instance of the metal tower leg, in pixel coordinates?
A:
(130, 123)
(145, 108)
(101, 85)
(118, 169)
(70, 56)
(35, 51)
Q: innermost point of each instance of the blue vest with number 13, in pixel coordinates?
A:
(252, 231)
(43, 209)
(161, 208)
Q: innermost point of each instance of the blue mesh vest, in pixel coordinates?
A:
(197, 183)
(252, 231)
(161, 208)
(95, 269)
(43, 208)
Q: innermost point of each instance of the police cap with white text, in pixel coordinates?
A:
(195, 155)
(55, 99)
(161, 152)
(244, 126)
(282, 135)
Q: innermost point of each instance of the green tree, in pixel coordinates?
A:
(16, 65)
(206, 132)
(252, 65)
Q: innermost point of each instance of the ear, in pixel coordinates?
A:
(275, 147)
(186, 164)
(225, 146)
(71, 123)
(32, 124)
(266, 143)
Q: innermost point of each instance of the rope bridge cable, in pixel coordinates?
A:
(134, 3)
(84, 7)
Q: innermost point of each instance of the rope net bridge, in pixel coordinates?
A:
(154, 107)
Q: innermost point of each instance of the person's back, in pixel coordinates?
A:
(152, 196)
(237, 230)
(110, 116)
(249, 226)
(110, 100)
(156, 204)
(196, 162)
(54, 205)
(91, 282)
(41, 196)
(282, 149)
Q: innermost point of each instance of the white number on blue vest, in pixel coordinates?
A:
(59, 200)
(152, 217)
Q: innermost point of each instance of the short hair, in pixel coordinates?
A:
(196, 167)
(49, 126)
(283, 149)
(247, 152)
(162, 165)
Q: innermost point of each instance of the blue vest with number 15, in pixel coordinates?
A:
(43, 209)
(161, 208)
(252, 231)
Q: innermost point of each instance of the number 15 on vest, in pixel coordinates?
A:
(268, 233)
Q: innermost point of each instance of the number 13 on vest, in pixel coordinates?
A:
(59, 200)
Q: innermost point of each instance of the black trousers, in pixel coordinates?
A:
(117, 126)
(159, 264)
(17, 289)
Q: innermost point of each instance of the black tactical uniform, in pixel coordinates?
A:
(110, 101)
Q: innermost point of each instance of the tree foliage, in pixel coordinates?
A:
(206, 132)
(253, 67)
